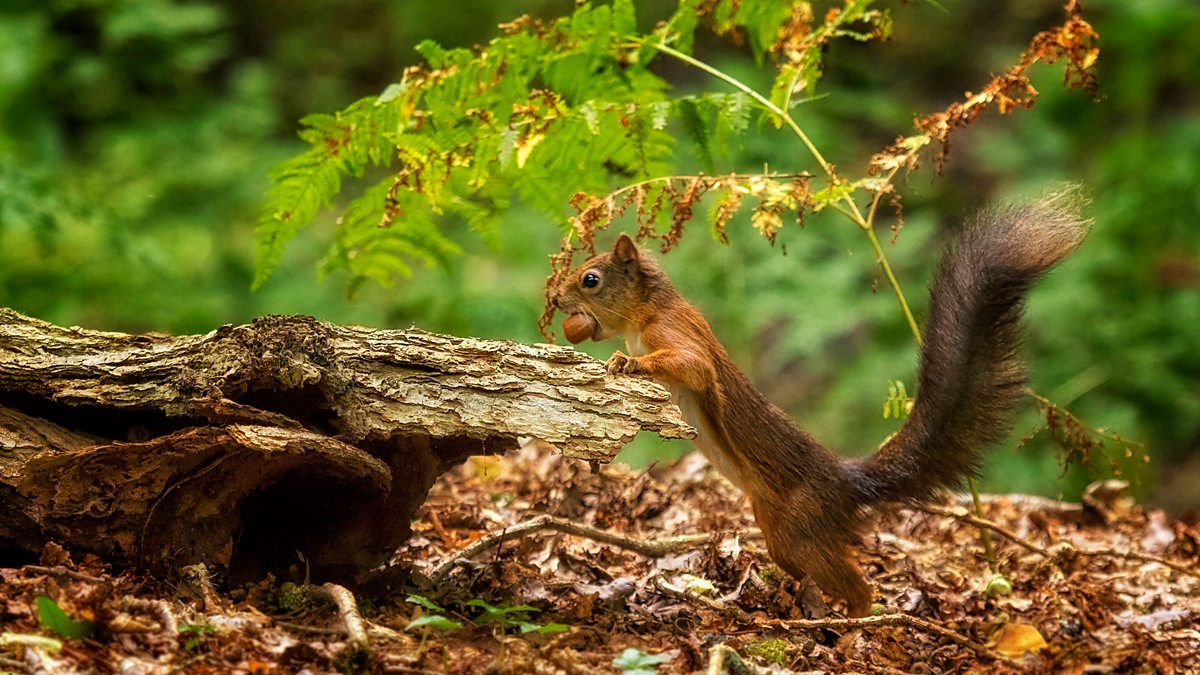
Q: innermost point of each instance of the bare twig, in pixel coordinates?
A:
(397, 668)
(863, 622)
(14, 665)
(648, 547)
(724, 659)
(436, 521)
(381, 631)
(60, 571)
(1059, 548)
(716, 605)
(959, 513)
(347, 608)
(312, 630)
(158, 609)
(905, 620)
(1030, 502)
(1142, 557)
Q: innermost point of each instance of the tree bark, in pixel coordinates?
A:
(250, 444)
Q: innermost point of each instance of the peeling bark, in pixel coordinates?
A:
(245, 445)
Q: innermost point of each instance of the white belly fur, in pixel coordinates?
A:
(689, 405)
(706, 440)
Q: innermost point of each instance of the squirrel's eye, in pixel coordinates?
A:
(591, 280)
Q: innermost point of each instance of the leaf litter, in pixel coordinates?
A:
(652, 571)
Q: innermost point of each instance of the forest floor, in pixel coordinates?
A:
(670, 578)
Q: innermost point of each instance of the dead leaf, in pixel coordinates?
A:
(1017, 639)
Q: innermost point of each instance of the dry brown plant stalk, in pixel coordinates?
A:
(777, 193)
(1075, 41)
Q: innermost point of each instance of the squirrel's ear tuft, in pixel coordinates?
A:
(625, 250)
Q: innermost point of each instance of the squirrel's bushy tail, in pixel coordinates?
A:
(970, 377)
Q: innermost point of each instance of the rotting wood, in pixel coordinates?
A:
(284, 444)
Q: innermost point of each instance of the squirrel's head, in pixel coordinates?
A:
(607, 295)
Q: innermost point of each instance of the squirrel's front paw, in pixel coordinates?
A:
(621, 363)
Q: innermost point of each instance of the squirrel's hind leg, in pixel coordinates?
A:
(827, 561)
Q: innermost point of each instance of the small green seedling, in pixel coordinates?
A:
(197, 631)
(437, 620)
(433, 621)
(430, 621)
(513, 617)
(53, 618)
(898, 403)
(636, 662)
(425, 602)
(502, 618)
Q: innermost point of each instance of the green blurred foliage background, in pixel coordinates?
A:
(136, 137)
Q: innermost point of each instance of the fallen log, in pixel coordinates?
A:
(284, 442)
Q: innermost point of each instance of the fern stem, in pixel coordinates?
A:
(854, 214)
(747, 90)
(882, 261)
(985, 535)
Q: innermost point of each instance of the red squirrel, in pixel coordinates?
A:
(810, 503)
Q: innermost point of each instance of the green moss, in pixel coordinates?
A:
(773, 651)
(290, 597)
(774, 575)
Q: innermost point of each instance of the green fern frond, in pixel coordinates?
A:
(572, 97)
(681, 27)
(698, 131)
(761, 19)
(342, 144)
(413, 234)
(302, 186)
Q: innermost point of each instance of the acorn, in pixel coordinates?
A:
(579, 327)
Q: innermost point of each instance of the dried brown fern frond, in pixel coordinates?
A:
(1075, 41)
(1079, 444)
(776, 194)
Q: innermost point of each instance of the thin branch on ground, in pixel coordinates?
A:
(381, 631)
(60, 571)
(14, 665)
(648, 547)
(716, 605)
(158, 609)
(311, 630)
(724, 659)
(397, 668)
(347, 609)
(436, 521)
(905, 620)
(1059, 548)
(960, 513)
(863, 622)
(1031, 502)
